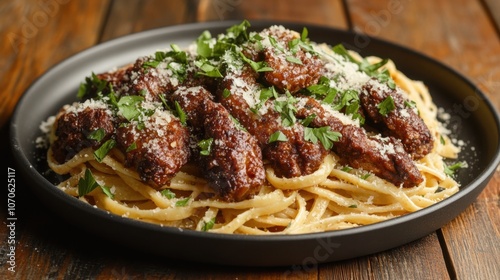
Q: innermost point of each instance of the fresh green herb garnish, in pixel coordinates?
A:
(386, 106)
(131, 147)
(207, 69)
(107, 191)
(353, 206)
(182, 202)
(88, 183)
(451, 169)
(324, 134)
(277, 136)
(92, 84)
(97, 135)
(372, 70)
(180, 113)
(260, 66)
(208, 225)
(366, 176)
(168, 193)
(287, 110)
(205, 146)
(129, 107)
(346, 168)
(104, 149)
(293, 59)
(307, 121)
(439, 189)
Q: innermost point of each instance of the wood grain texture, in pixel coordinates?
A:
(36, 35)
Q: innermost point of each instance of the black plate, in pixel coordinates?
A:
(474, 120)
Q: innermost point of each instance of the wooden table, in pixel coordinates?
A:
(36, 34)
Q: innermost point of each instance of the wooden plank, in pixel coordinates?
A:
(424, 262)
(473, 239)
(324, 12)
(494, 8)
(38, 35)
(132, 16)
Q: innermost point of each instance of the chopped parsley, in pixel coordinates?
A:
(182, 202)
(324, 134)
(208, 69)
(208, 225)
(277, 136)
(104, 149)
(131, 147)
(129, 106)
(451, 169)
(180, 113)
(372, 70)
(97, 135)
(87, 184)
(386, 106)
(91, 85)
(168, 193)
(260, 66)
(439, 189)
(287, 110)
(205, 146)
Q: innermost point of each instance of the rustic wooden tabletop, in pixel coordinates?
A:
(462, 34)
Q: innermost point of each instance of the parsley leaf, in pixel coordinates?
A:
(260, 66)
(97, 135)
(104, 149)
(324, 134)
(207, 69)
(86, 184)
(205, 146)
(372, 70)
(451, 169)
(129, 107)
(182, 202)
(277, 136)
(386, 106)
(287, 110)
(168, 193)
(208, 225)
(91, 85)
(180, 113)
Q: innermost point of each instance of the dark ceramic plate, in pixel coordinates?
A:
(473, 119)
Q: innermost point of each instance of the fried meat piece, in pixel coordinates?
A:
(384, 157)
(74, 127)
(157, 147)
(293, 69)
(233, 162)
(291, 158)
(400, 122)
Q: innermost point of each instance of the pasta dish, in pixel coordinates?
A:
(254, 132)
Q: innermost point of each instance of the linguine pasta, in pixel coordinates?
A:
(331, 198)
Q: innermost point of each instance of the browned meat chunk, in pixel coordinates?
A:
(291, 158)
(231, 158)
(399, 120)
(384, 157)
(75, 125)
(293, 69)
(157, 147)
